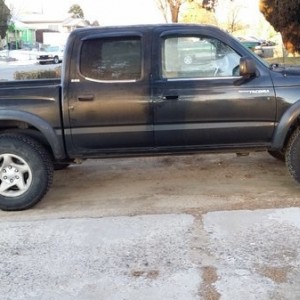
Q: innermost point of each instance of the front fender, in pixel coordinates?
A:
(45, 128)
(288, 119)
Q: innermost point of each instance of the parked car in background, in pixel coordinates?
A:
(263, 42)
(50, 54)
(254, 45)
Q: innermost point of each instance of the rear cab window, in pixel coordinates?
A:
(111, 58)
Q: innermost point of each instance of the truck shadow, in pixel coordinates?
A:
(173, 184)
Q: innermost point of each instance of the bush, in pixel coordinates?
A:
(38, 74)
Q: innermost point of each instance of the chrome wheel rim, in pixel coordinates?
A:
(15, 175)
(187, 60)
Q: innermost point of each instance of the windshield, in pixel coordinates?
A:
(50, 49)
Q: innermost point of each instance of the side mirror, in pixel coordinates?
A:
(247, 67)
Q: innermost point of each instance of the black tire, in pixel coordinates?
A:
(292, 157)
(26, 172)
(56, 60)
(279, 155)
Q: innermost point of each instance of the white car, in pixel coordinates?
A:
(50, 54)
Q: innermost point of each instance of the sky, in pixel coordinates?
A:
(111, 12)
(107, 12)
(122, 12)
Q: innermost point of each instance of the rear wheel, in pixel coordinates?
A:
(292, 156)
(26, 172)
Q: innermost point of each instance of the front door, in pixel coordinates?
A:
(201, 101)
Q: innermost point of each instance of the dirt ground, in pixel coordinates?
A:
(193, 184)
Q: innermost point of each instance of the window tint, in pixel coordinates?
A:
(187, 57)
(111, 58)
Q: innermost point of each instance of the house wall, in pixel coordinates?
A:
(57, 26)
(55, 38)
(41, 24)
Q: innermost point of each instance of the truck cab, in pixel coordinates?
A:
(139, 92)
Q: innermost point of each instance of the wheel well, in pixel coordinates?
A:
(20, 127)
(291, 130)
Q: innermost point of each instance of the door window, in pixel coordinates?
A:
(187, 57)
(111, 59)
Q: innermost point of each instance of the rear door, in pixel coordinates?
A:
(109, 96)
(200, 101)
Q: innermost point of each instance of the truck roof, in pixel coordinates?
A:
(146, 27)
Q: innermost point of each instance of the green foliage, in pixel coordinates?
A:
(4, 18)
(289, 61)
(11, 27)
(172, 8)
(283, 15)
(39, 74)
(76, 11)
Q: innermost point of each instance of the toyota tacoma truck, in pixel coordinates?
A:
(131, 91)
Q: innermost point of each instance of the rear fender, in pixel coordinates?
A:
(45, 128)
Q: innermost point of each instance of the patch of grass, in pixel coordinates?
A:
(293, 61)
(39, 74)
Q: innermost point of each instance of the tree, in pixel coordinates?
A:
(196, 13)
(170, 8)
(234, 22)
(210, 5)
(11, 28)
(283, 15)
(4, 18)
(76, 12)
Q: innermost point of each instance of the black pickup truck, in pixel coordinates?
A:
(144, 90)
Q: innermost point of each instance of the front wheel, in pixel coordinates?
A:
(279, 155)
(292, 156)
(56, 60)
(26, 172)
